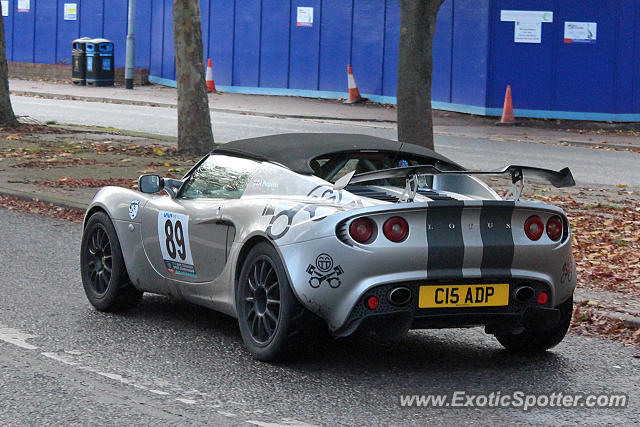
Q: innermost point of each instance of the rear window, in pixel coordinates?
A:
(333, 167)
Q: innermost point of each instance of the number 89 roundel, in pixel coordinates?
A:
(173, 236)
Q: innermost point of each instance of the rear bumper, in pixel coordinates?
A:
(330, 275)
(391, 320)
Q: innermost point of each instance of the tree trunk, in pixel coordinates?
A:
(415, 68)
(7, 117)
(194, 121)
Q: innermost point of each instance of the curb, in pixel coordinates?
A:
(46, 95)
(599, 146)
(63, 203)
(630, 319)
(627, 319)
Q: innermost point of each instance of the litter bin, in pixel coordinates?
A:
(79, 61)
(100, 70)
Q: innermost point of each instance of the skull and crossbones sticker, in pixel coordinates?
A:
(324, 271)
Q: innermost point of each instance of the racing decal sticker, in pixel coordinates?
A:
(262, 183)
(567, 272)
(133, 209)
(326, 193)
(282, 221)
(173, 235)
(447, 226)
(324, 272)
(445, 244)
(497, 238)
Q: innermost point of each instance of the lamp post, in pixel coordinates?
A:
(131, 46)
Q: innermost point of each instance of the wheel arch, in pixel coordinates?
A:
(93, 210)
(249, 244)
(244, 252)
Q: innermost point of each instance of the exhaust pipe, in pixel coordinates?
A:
(399, 296)
(524, 293)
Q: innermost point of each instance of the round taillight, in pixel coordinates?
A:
(543, 297)
(396, 229)
(533, 227)
(361, 229)
(373, 302)
(554, 227)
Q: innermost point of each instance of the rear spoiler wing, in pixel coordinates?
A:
(562, 178)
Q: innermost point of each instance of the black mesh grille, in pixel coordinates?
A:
(373, 194)
(434, 195)
(343, 233)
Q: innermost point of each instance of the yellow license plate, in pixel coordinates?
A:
(484, 295)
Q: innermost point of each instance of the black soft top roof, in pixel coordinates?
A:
(296, 150)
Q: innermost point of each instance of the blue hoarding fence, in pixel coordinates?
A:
(480, 47)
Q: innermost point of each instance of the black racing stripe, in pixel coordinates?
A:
(497, 238)
(444, 240)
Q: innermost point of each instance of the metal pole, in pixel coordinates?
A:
(131, 46)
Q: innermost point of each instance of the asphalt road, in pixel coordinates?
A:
(588, 166)
(169, 362)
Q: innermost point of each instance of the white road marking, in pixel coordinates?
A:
(120, 378)
(187, 401)
(286, 422)
(59, 358)
(18, 338)
(15, 337)
(115, 377)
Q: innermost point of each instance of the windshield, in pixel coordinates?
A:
(219, 177)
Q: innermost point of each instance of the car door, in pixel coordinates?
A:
(184, 237)
(184, 241)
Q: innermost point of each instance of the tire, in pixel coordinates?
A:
(273, 323)
(540, 340)
(104, 275)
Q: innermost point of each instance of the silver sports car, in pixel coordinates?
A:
(299, 233)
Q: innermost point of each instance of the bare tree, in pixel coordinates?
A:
(194, 121)
(7, 117)
(415, 69)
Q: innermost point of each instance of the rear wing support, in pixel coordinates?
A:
(517, 187)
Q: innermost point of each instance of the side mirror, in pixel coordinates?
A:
(150, 183)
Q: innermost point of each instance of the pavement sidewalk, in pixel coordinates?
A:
(445, 123)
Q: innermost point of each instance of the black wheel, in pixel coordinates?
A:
(540, 340)
(104, 275)
(272, 321)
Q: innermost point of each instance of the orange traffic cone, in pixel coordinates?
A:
(508, 117)
(354, 93)
(211, 84)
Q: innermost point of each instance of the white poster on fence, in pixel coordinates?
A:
(527, 24)
(580, 32)
(528, 32)
(5, 7)
(24, 5)
(70, 11)
(525, 15)
(305, 17)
